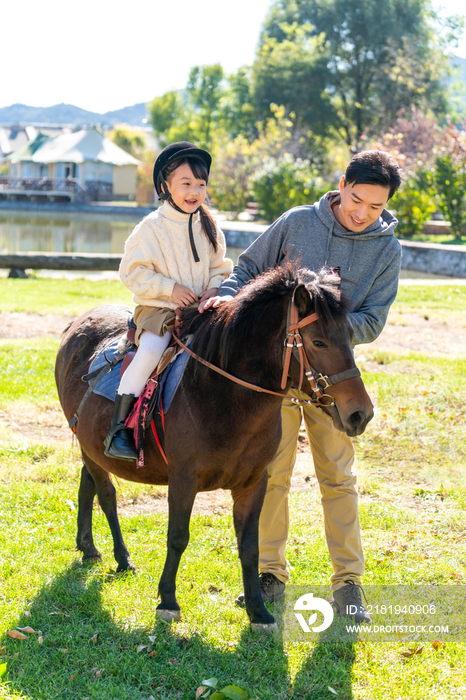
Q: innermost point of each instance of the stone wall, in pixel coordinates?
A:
(434, 258)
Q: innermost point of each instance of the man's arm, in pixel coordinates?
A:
(369, 320)
(266, 252)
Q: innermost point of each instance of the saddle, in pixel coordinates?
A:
(104, 377)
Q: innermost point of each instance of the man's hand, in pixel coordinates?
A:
(183, 296)
(213, 303)
(208, 293)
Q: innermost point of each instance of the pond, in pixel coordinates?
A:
(49, 232)
(80, 232)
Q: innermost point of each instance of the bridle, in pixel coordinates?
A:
(293, 345)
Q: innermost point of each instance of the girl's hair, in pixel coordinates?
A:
(200, 172)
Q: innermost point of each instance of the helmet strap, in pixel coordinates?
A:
(166, 196)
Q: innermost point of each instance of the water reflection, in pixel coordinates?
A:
(48, 232)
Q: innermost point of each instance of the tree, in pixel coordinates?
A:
(379, 56)
(292, 72)
(130, 141)
(189, 115)
(237, 114)
(204, 93)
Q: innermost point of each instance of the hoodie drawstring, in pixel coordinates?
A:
(329, 238)
(352, 254)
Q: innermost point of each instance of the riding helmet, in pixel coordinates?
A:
(177, 151)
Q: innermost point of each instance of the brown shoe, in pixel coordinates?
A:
(271, 588)
(347, 602)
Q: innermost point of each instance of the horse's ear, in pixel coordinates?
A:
(302, 300)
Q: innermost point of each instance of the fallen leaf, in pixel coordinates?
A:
(27, 614)
(63, 651)
(40, 640)
(151, 654)
(14, 634)
(172, 661)
(28, 629)
(200, 690)
(98, 672)
(234, 693)
(72, 677)
(2, 650)
(70, 504)
(211, 682)
(437, 644)
(152, 639)
(214, 589)
(413, 652)
(95, 637)
(2, 670)
(332, 690)
(141, 647)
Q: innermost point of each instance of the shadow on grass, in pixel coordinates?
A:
(71, 664)
(329, 668)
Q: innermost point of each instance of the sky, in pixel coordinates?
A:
(103, 56)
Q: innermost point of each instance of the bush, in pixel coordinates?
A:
(285, 182)
(450, 180)
(414, 203)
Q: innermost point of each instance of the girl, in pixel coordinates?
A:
(174, 257)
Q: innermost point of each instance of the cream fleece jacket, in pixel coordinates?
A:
(158, 254)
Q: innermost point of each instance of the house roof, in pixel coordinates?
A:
(78, 147)
(28, 150)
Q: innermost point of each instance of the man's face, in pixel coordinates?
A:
(360, 205)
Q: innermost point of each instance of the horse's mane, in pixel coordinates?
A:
(217, 331)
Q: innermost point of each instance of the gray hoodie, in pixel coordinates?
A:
(369, 261)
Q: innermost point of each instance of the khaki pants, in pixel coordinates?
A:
(333, 456)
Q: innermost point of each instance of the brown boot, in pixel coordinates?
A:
(119, 442)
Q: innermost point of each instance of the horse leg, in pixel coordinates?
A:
(181, 495)
(84, 539)
(106, 494)
(247, 504)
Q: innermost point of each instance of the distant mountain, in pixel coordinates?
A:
(69, 114)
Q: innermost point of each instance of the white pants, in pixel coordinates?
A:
(150, 350)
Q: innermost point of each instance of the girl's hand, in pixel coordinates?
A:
(183, 296)
(213, 302)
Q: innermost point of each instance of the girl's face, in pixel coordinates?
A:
(187, 192)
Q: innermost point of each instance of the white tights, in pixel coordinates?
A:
(151, 349)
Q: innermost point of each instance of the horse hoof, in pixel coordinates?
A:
(264, 628)
(168, 615)
(127, 568)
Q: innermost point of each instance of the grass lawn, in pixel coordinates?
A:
(95, 634)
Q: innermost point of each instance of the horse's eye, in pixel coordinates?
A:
(318, 344)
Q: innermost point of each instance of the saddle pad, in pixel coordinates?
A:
(108, 385)
(171, 378)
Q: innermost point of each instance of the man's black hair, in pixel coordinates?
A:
(374, 168)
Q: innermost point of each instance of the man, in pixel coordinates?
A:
(352, 230)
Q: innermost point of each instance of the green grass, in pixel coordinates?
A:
(57, 296)
(27, 371)
(411, 465)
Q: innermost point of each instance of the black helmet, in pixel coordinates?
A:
(177, 151)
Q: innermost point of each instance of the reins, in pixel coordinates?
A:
(293, 344)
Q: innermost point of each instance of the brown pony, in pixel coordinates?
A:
(218, 434)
